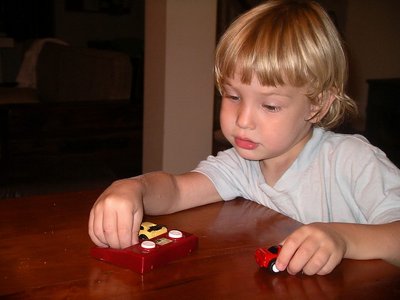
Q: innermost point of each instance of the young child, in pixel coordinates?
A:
(281, 70)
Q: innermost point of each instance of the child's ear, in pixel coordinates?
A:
(320, 109)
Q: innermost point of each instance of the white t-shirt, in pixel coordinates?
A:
(336, 178)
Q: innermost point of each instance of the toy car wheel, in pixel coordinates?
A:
(272, 267)
(143, 237)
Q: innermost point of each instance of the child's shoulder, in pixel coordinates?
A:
(350, 146)
(344, 140)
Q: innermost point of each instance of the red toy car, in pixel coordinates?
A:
(266, 258)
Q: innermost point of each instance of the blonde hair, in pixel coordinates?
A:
(288, 42)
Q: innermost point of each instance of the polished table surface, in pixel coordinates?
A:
(44, 254)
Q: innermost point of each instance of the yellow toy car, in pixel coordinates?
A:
(150, 230)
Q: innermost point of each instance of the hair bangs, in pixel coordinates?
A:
(267, 48)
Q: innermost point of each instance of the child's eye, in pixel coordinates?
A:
(271, 108)
(232, 97)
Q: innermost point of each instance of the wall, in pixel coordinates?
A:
(179, 85)
(372, 34)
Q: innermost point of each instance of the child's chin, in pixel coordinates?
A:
(247, 154)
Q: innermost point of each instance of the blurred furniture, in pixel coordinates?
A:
(45, 255)
(134, 48)
(76, 105)
(5, 42)
(55, 72)
(383, 116)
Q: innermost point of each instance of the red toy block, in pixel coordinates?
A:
(150, 254)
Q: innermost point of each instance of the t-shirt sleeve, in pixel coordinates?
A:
(227, 171)
(384, 184)
(376, 185)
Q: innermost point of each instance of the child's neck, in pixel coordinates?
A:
(272, 172)
(274, 168)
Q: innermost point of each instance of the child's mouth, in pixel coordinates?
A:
(245, 144)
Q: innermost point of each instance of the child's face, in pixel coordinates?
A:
(265, 122)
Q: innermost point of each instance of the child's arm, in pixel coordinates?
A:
(116, 215)
(318, 248)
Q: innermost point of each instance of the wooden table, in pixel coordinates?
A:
(44, 254)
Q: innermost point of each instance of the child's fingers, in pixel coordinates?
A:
(128, 226)
(316, 262)
(286, 254)
(96, 230)
(301, 258)
(137, 220)
(311, 249)
(331, 263)
(301, 253)
(124, 229)
(110, 228)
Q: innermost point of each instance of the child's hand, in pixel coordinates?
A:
(316, 248)
(116, 216)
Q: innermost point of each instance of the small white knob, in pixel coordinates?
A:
(148, 245)
(175, 234)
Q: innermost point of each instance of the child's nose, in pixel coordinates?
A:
(245, 118)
